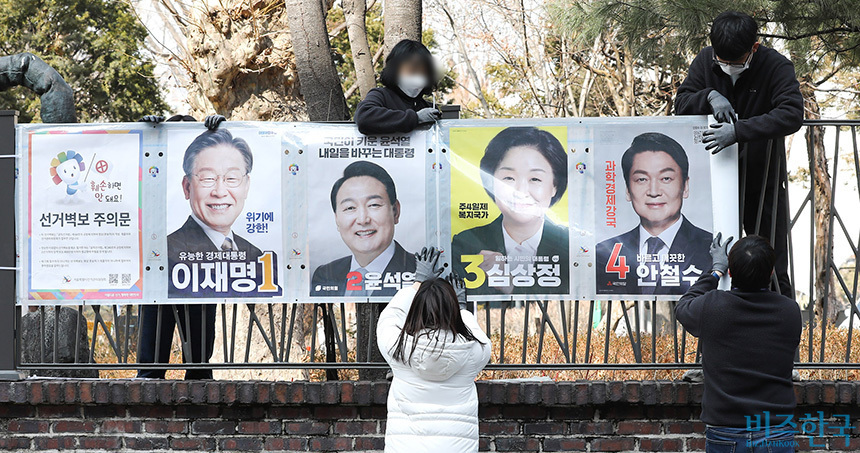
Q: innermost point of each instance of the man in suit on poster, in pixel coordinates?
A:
(665, 253)
(216, 181)
(366, 210)
(217, 170)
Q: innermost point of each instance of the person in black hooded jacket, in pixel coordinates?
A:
(399, 105)
(755, 97)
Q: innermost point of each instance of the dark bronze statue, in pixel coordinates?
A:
(28, 70)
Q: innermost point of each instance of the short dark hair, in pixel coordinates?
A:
(404, 51)
(733, 34)
(751, 263)
(546, 144)
(187, 118)
(217, 137)
(655, 141)
(364, 168)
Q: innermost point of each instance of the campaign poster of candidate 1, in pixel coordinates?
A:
(367, 211)
(224, 235)
(509, 209)
(84, 225)
(653, 202)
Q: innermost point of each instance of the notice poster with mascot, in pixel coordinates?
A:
(85, 223)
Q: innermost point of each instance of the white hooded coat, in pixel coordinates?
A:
(432, 402)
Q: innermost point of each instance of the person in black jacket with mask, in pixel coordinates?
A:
(399, 105)
(754, 95)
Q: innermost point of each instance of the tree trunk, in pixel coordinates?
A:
(233, 58)
(820, 180)
(401, 20)
(629, 82)
(318, 78)
(354, 12)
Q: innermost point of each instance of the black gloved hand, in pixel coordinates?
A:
(719, 137)
(428, 115)
(427, 264)
(720, 254)
(459, 287)
(152, 119)
(212, 121)
(722, 108)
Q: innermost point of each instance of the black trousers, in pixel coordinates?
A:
(764, 204)
(197, 324)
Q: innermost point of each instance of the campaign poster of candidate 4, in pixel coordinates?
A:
(84, 232)
(224, 214)
(654, 219)
(509, 209)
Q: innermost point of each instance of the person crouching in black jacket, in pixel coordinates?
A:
(399, 105)
(749, 335)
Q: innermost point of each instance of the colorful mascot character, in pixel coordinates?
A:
(67, 168)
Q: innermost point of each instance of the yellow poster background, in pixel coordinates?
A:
(467, 148)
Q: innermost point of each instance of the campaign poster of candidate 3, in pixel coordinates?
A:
(224, 225)
(509, 209)
(367, 211)
(653, 208)
(84, 231)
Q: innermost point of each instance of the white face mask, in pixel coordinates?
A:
(412, 85)
(735, 71)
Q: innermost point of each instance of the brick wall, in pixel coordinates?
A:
(596, 416)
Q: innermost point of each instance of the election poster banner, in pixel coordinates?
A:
(539, 209)
(84, 225)
(367, 211)
(653, 208)
(509, 209)
(224, 213)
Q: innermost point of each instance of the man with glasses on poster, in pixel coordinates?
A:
(204, 254)
(754, 95)
(217, 170)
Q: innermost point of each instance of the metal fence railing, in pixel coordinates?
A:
(823, 233)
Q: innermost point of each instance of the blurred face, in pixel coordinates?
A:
(217, 187)
(523, 185)
(657, 190)
(365, 217)
(412, 67)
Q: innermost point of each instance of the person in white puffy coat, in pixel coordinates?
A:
(435, 349)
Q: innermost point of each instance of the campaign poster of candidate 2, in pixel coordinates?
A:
(509, 209)
(84, 232)
(224, 225)
(366, 211)
(654, 221)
